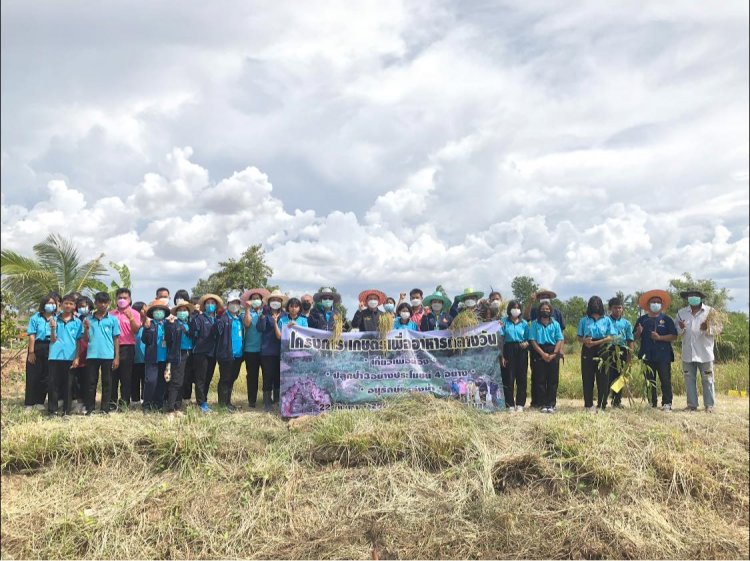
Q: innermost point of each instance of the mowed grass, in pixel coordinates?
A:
(420, 478)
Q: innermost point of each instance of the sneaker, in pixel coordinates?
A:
(231, 408)
(550, 410)
(39, 407)
(205, 408)
(29, 408)
(519, 408)
(591, 409)
(545, 409)
(710, 409)
(667, 407)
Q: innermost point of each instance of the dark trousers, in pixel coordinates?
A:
(78, 384)
(59, 375)
(547, 376)
(536, 401)
(122, 384)
(593, 370)
(252, 366)
(174, 386)
(616, 368)
(203, 370)
(37, 375)
(514, 374)
(137, 381)
(229, 370)
(664, 370)
(271, 366)
(93, 367)
(154, 386)
(189, 379)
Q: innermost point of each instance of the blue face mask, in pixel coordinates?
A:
(389, 307)
(210, 308)
(327, 304)
(159, 315)
(182, 315)
(694, 300)
(49, 308)
(655, 307)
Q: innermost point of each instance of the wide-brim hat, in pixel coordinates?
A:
(248, 293)
(277, 294)
(327, 292)
(437, 296)
(469, 293)
(365, 293)
(692, 292)
(157, 305)
(219, 300)
(666, 299)
(183, 304)
(552, 293)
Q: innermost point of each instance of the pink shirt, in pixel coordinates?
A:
(416, 317)
(127, 337)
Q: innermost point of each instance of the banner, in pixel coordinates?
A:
(364, 369)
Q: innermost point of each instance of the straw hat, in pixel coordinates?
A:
(666, 299)
(276, 294)
(437, 296)
(692, 292)
(159, 304)
(219, 301)
(329, 293)
(469, 293)
(248, 293)
(182, 304)
(365, 293)
(546, 292)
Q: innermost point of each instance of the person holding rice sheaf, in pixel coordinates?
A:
(698, 324)
(621, 348)
(367, 317)
(325, 314)
(470, 300)
(436, 316)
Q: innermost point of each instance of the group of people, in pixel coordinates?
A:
(154, 355)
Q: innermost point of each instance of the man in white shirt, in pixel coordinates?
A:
(697, 348)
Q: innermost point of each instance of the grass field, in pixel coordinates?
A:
(421, 478)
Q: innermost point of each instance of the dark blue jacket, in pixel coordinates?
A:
(203, 335)
(430, 322)
(173, 333)
(222, 330)
(149, 336)
(317, 320)
(270, 345)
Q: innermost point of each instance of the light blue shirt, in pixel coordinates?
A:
(140, 348)
(410, 325)
(595, 328)
(161, 348)
(548, 334)
(623, 331)
(67, 334)
(238, 335)
(102, 333)
(253, 336)
(186, 343)
(38, 327)
(516, 332)
(301, 321)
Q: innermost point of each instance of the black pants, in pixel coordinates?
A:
(37, 375)
(78, 383)
(664, 370)
(229, 370)
(174, 386)
(591, 370)
(137, 381)
(203, 369)
(189, 379)
(122, 384)
(547, 375)
(271, 366)
(536, 401)
(154, 386)
(616, 368)
(93, 367)
(514, 374)
(59, 375)
(252, 366)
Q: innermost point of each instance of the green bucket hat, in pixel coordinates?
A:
(437, 296)
(469, 293)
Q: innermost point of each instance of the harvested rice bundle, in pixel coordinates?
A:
(385, 325)
(715, 321)
(465, 320)
(338, 329)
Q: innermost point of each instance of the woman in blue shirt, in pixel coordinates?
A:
(515, 357)
(230, 341)
(252, 300)
(403, 318)
(293, 317)
(37, 369)
(546, 339)
(595, 331)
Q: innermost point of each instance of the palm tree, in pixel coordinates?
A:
(56, 266)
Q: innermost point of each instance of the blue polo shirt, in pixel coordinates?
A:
(161, 349)
(548, 334)
(140, 348)
(102, 333)
(595, 328)
(253, 336)
(623, 331)
(238, 335)
(409, 325)
(67, 333)
(516, 332)
(38, 327)
(301, 321)
(656, 351)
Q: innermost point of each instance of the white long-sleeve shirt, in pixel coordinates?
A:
(697, 345)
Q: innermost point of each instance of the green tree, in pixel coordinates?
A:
(124, 273)
(9, 329)
(522, 288)
(249, 271)
(573, 309)
(56, 265)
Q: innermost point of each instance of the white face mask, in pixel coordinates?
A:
(515, 312)
(437, 306)
(405, 315)
(416, 302)
(256, 303)
(275, 305)
(495, 304)
(234, 308)
(470, 303)
(372, 304)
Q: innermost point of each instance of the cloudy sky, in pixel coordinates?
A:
(593, 145)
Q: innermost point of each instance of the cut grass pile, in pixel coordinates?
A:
(421, 478)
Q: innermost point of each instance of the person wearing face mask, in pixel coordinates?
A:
(306, 304)
(155, 354)
(698, 339)
(252, 302)
(542, 296)
(390, 306)
(37, 367)
(78, 389)
(436, 316)
(515, 358)
(293, 317)
(656, 331)
(326, 310)
(66, 331)
(490, 309)
(102, 331)
(130, 323)
(179, 346)
(403, 320)
(467, 300)
(230, 335)
(622, 344)
(269, 325)
(366, 318)
(138, 377)
(546, 340)
(204, 346)
(595, 332)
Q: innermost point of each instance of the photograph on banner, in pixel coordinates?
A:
(361, 369)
